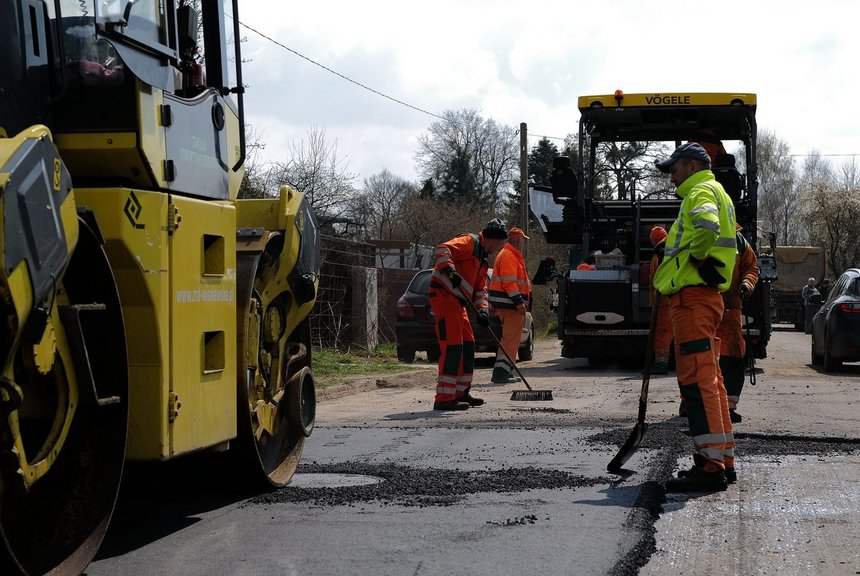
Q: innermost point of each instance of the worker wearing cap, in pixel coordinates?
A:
(730, 330)
(698, 265)
(663, 329)
(460, 272)
(509, 295)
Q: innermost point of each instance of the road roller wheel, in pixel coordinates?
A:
(62, 435)
(277, 400)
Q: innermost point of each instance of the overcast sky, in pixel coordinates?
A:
(529, 61)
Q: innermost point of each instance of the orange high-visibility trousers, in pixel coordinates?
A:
(512, 329)
(732, 352)
(456, 346)
(696, 313)
(663, 331)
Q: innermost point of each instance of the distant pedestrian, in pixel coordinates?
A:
(510, 291)
(808, 290)
(460, 272)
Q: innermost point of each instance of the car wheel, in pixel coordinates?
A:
(433, 355)
(831, 364)
(406, 355)
(527, 350)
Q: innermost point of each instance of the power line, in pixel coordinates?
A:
(402, 103)
(327, 69)
(359, 84)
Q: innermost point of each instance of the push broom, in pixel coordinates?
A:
(530, 394)
(635, 438)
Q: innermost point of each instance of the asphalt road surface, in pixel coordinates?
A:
(388, 486)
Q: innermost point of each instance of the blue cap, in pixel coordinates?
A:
(690, 151)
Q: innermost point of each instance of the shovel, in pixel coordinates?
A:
(632, 443)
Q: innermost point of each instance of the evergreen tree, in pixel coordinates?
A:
(540, 162)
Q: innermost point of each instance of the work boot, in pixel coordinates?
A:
(682, 408)
(734, 416)
(451, 405)
(502, 376)
(697, 480)
(472, 401)
(731, 474)
(660, 367)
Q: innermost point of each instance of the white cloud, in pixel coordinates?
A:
(516, 62)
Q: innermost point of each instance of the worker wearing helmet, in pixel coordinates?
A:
(509, 294)
(698, 265)
(460, 272)
(663, 329)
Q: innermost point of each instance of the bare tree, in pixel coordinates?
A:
(779, 193)
(469, 158)
(378, 207)
(315, 169)
(817, 172)
(429, 222)
(254, 179)
(833, 213)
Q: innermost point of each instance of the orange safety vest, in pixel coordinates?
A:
(466, 256)
(509, 285)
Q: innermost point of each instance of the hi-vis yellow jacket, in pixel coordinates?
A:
(705, 227)
(509, 284)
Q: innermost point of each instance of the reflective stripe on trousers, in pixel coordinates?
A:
(696, 313)
(456, 347)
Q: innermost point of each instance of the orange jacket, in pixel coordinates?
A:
(509, 285)
(464, 255)
(746, 272)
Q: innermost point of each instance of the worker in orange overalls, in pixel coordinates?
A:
(706, 138)
(460, 272)
(663, 330)
(699, 261)
(510, 290)
(730, 330)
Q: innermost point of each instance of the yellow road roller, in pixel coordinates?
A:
(147, 312)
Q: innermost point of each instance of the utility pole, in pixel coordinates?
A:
(524, 178)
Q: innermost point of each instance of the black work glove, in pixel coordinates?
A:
(455, 278)
(745, 290)
(708, 270)
(483, 318)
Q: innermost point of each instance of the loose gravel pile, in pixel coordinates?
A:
(406, 486)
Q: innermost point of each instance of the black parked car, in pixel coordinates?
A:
(415, 326)
(836, 325)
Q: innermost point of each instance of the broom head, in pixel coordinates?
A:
(531, 395)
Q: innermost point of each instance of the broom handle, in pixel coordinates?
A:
(493, 334)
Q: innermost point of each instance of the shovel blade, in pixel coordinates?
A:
(629, 447)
